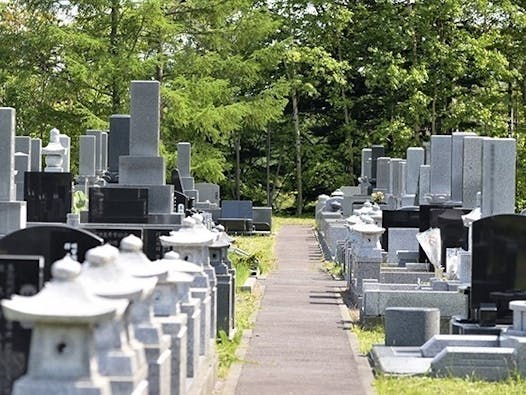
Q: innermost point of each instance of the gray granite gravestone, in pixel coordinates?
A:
(98, 148)
(366, 162)
(472, 170)
(144, 167)
(12, 212)
(457, 165)
(183, 165)
(104, 151)
(377, 151)
(440, 177)
(415, 159)
(87, 156)
(118, 140)
(23, 144)
(208, 192)
(21, 166)
(499, 158)
(423, 184)
(87, 163)
(382, 175)
(66, 143)
(36, 155)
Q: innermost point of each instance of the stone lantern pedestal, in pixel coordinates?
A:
(63, 359)
(367, 256)
(192, 243)
(121, 357)
(162, 355)
(225, 287)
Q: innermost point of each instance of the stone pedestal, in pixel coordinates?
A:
(121, 357)
(367, 256)
(192, 243)
(162, 372)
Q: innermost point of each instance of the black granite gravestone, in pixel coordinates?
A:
(152, 245)
(21, 275)
(118, 205)
(499, 264)
(48, 196)
(52, 242)
(456, 236)
(377, 151)
(118, 143)
(453, 233)
(406, 218)
(176, 181)
(114, 236)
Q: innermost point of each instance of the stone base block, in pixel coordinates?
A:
(30, 386)
(142, 170)
(410, 326)
(193, 312)
(188, 184)
(159, 367)
(488, 363)
(160, 197)
(12, 216)
(176, 328)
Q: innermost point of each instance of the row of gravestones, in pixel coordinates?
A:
(128, 157)
(460, 166)
(26, 258)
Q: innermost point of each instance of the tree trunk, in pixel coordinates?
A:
(295, 115)
(115, 92)
(238, 162)
(269, 197)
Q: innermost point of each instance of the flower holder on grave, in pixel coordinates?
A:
(121, 357)
(161, 355)
(173, 297)
(225, 287)
(191, 242)
(62, 357)
(367, 256)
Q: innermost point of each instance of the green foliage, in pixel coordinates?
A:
(302, 85)
(80, 202)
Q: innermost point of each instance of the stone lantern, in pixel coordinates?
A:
(121, 356)
(172, 297)
(367, 255)
(148, 330)
(55, 153)
(64, 314)
(192, 243)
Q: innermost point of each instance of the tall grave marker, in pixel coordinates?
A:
(12, 212)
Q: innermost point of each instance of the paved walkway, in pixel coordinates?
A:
(299, 344)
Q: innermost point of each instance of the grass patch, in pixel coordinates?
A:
(430, 386)
(333, 269)
(368, 336)
(423, 385)
(246, 304)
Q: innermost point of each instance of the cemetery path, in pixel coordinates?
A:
(300, 342)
